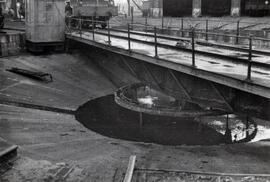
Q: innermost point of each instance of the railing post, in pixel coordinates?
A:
(237, 32)
(109, 33)
(193, 47)
(162, 22)
(80, 27)
(156, 47)
(145, 23)
(132, 17)
(69, 24)
(206, 30)
(129, 46)
(182, 26)
(249, 59)
(93, 28)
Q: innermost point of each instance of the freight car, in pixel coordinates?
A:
(96, 12)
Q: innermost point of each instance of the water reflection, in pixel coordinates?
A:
(242, 129)
(104, 116)
(141, 113)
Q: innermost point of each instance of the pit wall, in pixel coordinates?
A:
(123, 70)
(11, 44)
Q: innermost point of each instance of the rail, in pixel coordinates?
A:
(152, 31)
(205, 26)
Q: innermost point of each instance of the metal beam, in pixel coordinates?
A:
(222, 97)
(129, 67)
(180, 85)
(152, 76)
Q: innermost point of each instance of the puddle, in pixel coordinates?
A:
(244, 55)
(104, 116)
(228, 66)
(211, 62)
(143, 116)
(259, 72)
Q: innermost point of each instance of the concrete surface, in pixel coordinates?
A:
(54, 146)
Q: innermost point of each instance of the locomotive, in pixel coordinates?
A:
(96, 12)
(255, 7)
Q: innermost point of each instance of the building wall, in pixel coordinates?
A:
(177, 8)
(216, 7)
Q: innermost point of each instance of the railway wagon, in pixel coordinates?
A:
(98, 10)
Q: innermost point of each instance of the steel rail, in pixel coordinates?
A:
(173, 38)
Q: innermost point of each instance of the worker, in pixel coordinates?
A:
(21, 11)
(68, 13)
(68, 9)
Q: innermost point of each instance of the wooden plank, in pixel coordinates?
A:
(130, 169)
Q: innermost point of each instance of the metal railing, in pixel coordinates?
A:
(153, 32)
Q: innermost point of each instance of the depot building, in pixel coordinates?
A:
(178, 8)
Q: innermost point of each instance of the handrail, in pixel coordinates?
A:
(156, 44)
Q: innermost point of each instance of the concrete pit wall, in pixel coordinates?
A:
(11, 44)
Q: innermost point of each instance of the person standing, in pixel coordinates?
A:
(68, 13)
(68, 9)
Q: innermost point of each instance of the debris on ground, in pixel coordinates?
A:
(183, 44)
(46, 77)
